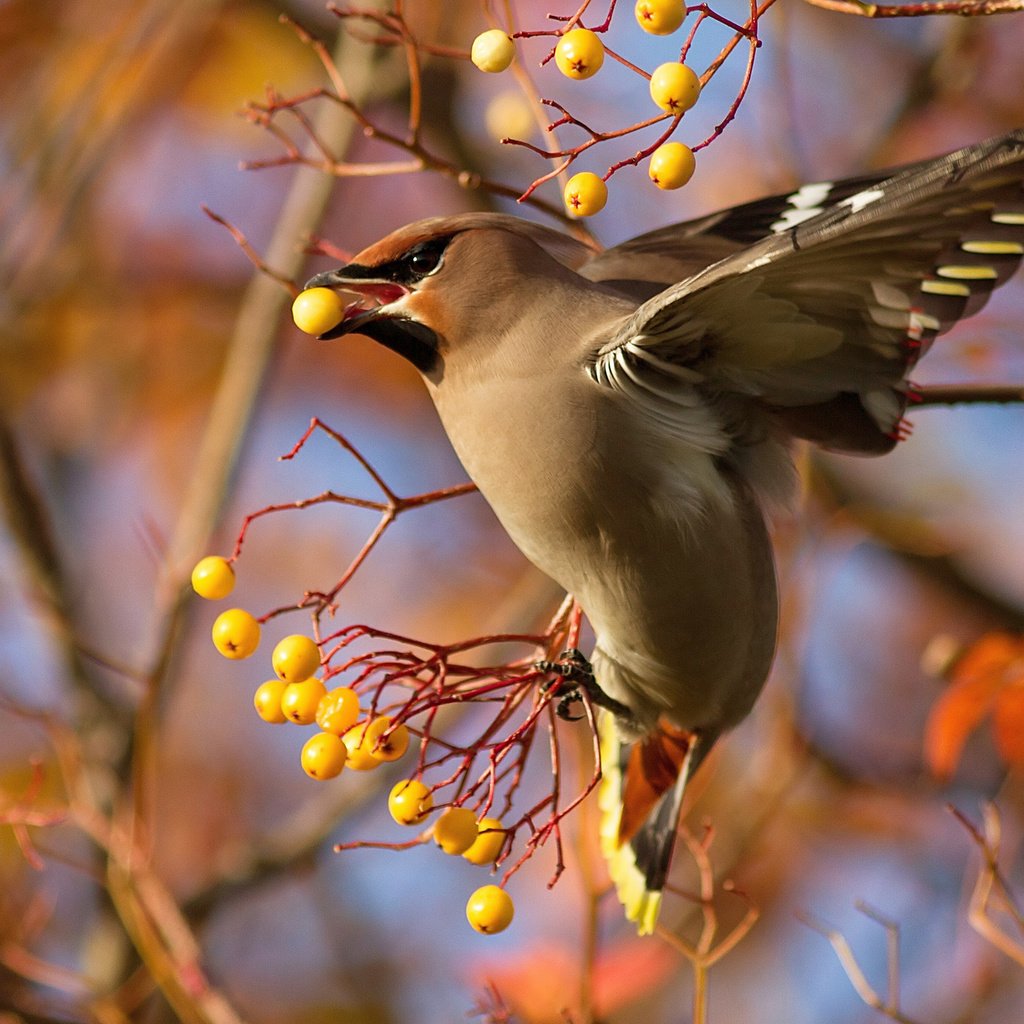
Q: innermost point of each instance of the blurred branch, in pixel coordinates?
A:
(146, 910)
(158, 930)
(964, 8)
(295, 843)
(165, 942)
(349, 99)
(963, 394)
(889, 1006)
(21, 815)
(28, 521)
(704, 954)
(246, 365)
(138, 63)
(991, 889)
(911, 539)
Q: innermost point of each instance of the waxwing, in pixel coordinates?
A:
(629, 415)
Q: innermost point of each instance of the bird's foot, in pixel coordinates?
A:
(576, 676)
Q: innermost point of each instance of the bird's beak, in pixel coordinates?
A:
(371, 297)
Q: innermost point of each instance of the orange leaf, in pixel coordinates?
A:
(629, 969)
(953, 717)
(994, 662)
(989, 655)
(539, 984)
(1008, 724)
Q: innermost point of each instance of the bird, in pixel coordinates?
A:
(630, 414)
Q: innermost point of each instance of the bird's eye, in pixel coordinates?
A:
(425, 258)
(423, 262)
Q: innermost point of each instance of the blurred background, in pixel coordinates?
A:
(149, 380)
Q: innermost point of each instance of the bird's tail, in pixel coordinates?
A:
(640, 798)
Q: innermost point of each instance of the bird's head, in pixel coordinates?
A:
(433, 286)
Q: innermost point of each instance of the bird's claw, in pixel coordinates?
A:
(576, 673)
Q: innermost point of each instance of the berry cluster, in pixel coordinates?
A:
(579, 54)
(347, 738)
(575, 50)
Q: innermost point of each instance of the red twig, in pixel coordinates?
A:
(257, 261)
(411, 681)
(23, 815)
(390, 508)
(568, 155)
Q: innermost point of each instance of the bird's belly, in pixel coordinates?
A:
(681, 597)
(686, 625)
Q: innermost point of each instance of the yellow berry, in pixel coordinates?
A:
(338, 710)
(675, 87)
(323, 756)
(300, 701)
(236, 634)
(388, 747)
(672, 165)
(317, 310)
(488, 843)
(579, 53)
(455, 831)
(410, 802)
(360, 758)
(492, 51)
(660, 17)
(213, 577)
(490, 910)
(267, 701)
(509, 114)
(295, 658)
(585, 194)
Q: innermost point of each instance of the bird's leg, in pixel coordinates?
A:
(572, 668)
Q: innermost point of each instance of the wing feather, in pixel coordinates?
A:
(839, 305)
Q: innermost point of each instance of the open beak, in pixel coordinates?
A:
(371, 298)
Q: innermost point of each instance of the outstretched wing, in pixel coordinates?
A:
(820, 322)
(668, 255)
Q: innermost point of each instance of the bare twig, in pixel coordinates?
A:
(254, 258)
(991, 889)
(704, 954)
(890, 1005)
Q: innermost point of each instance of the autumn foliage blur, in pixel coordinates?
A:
(162, 857)
(986, 682)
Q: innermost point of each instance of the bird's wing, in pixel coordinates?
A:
(669, 254)
(820, 322)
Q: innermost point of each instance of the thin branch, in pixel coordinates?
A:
(705, 953)
(991, 887)
(888, 1007)
(29, 524)
(254, 258)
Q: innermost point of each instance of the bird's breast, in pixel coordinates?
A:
(668, 556)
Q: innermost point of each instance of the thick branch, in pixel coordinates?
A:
(965, 8)
(962, 394)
